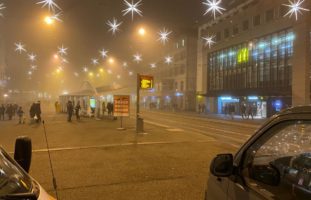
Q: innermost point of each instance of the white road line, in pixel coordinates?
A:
(118, 145)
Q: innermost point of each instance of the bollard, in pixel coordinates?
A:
(140, 125)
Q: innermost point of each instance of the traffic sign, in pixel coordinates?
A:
(146, 82)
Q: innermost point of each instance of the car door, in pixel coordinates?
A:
(274, 166)
(216, 188)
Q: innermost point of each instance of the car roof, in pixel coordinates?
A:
(296, 110)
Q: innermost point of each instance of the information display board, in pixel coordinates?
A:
(121, 105)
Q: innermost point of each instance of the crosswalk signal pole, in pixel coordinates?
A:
(139, 121)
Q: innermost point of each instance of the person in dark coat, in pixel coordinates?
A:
(2, 112)
(77, 110)
(9, 111)
(38, 111)
(69, 110)
(20, 114)
(32, 111)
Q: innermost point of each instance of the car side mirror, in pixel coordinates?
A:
(222, 165)
(23, 152)
(267, 174)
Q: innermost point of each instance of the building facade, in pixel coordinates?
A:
(261, 59)
(175, 82)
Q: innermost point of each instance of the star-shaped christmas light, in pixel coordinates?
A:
(213, 6)
(85, 69)
(131, 73)
(20, 47)
(33, 67)
(114, 25)
(95, 61)
(50, 3)
(104, 53)
(62, 50)
(56, 17)
(32, 57)
(132, 8)
(168, 59)
(153, 65)
(2, 7)
(209, 41)
(137, 58)
(295, 8)
(164, 35)
(125, 65)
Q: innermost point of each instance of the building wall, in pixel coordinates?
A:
(249, 21)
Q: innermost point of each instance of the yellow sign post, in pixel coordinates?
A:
(146, 82)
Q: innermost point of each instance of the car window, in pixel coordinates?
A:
(279, 163)
(12, 179)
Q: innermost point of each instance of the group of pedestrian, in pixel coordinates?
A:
(248, 110)
(230, 110)
(11, 110)
(73, 109)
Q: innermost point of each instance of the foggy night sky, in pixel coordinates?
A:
(84, 32)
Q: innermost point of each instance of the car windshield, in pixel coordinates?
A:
(12, 179)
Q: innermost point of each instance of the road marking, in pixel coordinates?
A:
(175, 130)
(118, 145)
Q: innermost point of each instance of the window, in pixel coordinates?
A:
(256, 20)
(226, 33)
(235, 30)
(279, 163)
(245, 25)
(269, 15)
(218, 36)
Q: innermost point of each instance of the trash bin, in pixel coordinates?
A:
(140, 125)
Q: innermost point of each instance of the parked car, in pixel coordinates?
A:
(275, 163)
(15, 183)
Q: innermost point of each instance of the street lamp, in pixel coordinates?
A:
(49, 20)
(142, 31)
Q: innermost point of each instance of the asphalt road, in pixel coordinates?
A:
(93, 160)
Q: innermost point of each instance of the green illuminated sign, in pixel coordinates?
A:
(243, 55)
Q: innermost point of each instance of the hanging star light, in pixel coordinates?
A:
(118, 76)
(50, 3)
(76, 74)
(109, 71)
(213, 6)
(62, 50)
(168, 59)
(32, 57)
(64, 60)
(164, 35)
(209, 40)
(56, 17)
(20, 47)
(295, 8)
(114, 25)
(95, 61)
(2, 7)
(131, 73)
(153, 65)
(33, 67)
(85, 69)
(132, 8)
(104, 53)
(125, 65)
(137, 58)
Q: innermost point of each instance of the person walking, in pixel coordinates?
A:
(232, 110)
(20, 114)
(2, 112)
(103, 108)
(69, 110)
(38, 111)
(9, 111)
(77, 110)
(249, 111)
(32, 112)
(243, 111)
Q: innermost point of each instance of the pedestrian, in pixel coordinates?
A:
(32, 112)
(69, 110)
(254, 110)
(199, 108)
(38, 111)
(2, 112)
(243, 110)
(249, 111)
(9, 111)
(20, 114)
(104, 108)
(56, 106)
(232, 110)
(203, 108)
(109, 108)
(77, 110)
